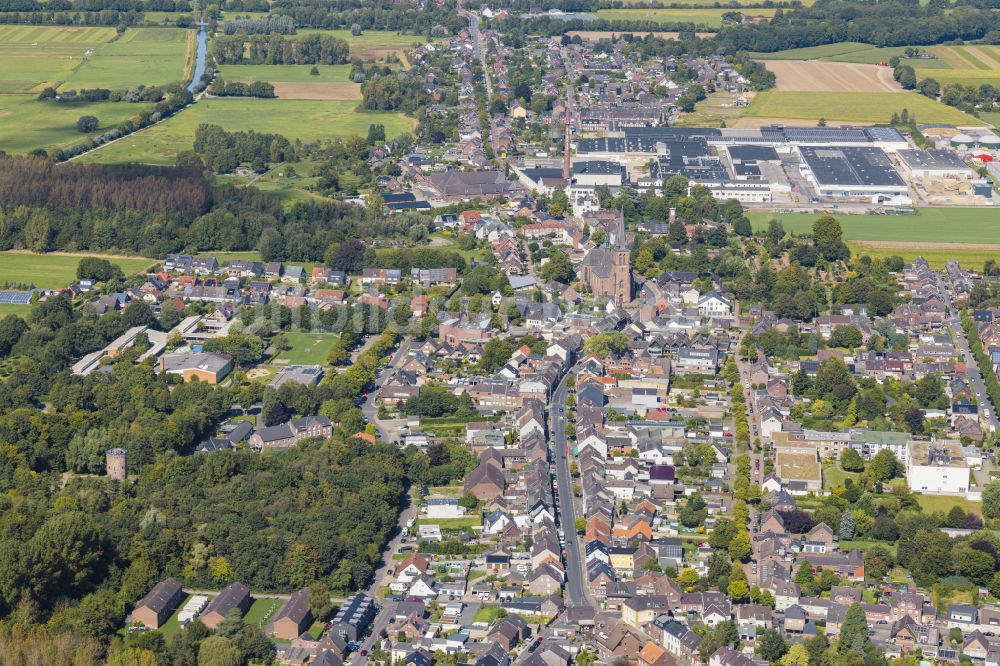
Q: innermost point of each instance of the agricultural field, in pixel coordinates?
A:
(297, 119)
(33, 57)
(306, 348)
(717, 108)
(930, 225)
(154, 56)
(708, 16)
(819, 76)
(295, 81)
(374, 44)
(868, 107)
(936, 254)
(971, 64)
(53, 271)
(26, 124)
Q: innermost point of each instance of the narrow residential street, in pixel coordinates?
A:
(369, 408)
(575, 573)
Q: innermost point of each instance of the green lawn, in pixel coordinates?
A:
(708, 17)
(870, 107)
(864, 544)
(930, 225)
(992, 117)
(463, 523)
(258, 616)
(153, 56)
(834, 476)
(19, 310)
(51, 271)
(307, 348)
(297, 119)
(944, 503)
(286, 73)
(26, 124)
(487, 614)
(32, 56)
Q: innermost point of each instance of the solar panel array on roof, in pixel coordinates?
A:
(671, 133)
(884, 134)
(15, 297)
(851, 165)
(752, 153)
(825, 134)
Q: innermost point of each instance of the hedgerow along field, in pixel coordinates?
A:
(373, 44)
(865, 107)
(296, 119)
(331, 82)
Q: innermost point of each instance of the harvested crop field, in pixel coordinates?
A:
(817, 76)
(332, 91)
(870, 107)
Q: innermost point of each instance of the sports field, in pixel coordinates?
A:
(53, 271)
(930, 225)
(871, 107)
(307, 348)
(26, 124)
(819, 76)
(153, 56)
(32, 57)
(708, 16)
(296, 119)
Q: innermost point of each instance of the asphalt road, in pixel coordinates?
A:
(575, 573)
(972, 368)
(369, 408)
(409, 510)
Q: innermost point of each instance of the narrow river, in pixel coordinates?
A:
(199, 61)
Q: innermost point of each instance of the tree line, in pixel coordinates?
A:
(313, 49)
(266, 25)
(223, 151)
(261, 89)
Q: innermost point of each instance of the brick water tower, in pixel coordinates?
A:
(117, 464)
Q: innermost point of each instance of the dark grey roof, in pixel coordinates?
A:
(233, 596)
(296, 608)
(161, 596)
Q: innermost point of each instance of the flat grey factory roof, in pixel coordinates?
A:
(934, 158)
(851, 165)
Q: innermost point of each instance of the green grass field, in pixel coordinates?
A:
(11, 309)
(930, 225)
(154, 56)
(255, 617)
(34, 56)
(307, 348)
(863, 544)
(944, 503)
(874, 107)
(297, 119)
(286, 73)
(992, 117)
(708, 16)
(53, 271)
(26, 123)
(834, 476)
(936, 257)
(463, 523)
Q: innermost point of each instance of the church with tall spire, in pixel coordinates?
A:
(607, 269)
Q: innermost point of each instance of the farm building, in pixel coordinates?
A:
(154, 609)
(234, 596)
(294, 617)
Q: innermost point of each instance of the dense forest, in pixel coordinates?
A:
(425, 20)
(152, 211)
